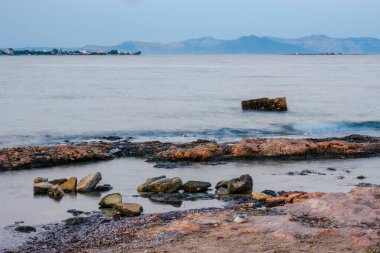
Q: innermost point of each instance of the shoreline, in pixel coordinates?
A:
(316, 222)
(165, 154)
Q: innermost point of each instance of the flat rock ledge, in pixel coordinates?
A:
(353, 146)
(320, 222)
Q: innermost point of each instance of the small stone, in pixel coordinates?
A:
(128, 209)
(56, 192)
(39, 180)
(361, 177)
(58, 181)
(241, 218)
(331, 169)
(110, 200)
(25, 229)
(42, 188)
(196, 186)
(260, 196)
(103, 188)
(340, 177)
(70, 185)
(89, 182)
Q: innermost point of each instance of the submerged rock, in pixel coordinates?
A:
(103, 188)
(196, 186)
(25, 229)
(40, 180)
(165, 185)
(89, 182)
(241, 185)
(128, 209)
(58, 181)
(56, 192)
(265, 104)
(42, 188)
(70, 185)
(110, 200)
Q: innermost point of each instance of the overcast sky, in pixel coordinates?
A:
(70, 23)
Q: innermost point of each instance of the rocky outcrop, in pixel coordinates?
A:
(42, 188)
(110, 200)
(353, 146)
(89, 182)
(70, 185)
(196, 186)
(128, 209)
(265, 104)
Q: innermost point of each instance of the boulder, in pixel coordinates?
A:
(241, 185)
(196, 186)
(110, 200)
(70, 185)
(56, 192)
(42, 188)
(103, 188)
(265, 104)
(58, 181)
(128, 209)
(39, 180)
(144, 187)
(260, 196)
(165, 185)
(89, 182)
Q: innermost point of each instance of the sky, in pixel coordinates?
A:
(75, 23)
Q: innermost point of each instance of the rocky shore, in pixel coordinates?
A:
(353, 146)
(306, 222)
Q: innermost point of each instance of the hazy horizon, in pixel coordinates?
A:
(76, 23)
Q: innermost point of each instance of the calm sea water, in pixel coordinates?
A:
(46, 100)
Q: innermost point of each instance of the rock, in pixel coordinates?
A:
(144, 187)
(25, 229)
(270, 193)
(73, 221)
(260, 196)
(361, 177)
(75, 212)
(58, 181)
(39, 180)
(276, 200)
(222, 183)
(265, 104)
(42, 188)
(70, 185)
(110, 200)
(196, 186)
(331, 169)
(56, 192)
(89, 182)
(241, 185)
(240, 218)
(221, 191)
(103, 188)
(128, 209)
(165, 185)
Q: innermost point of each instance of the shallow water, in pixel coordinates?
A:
(179, 98)
(124, 174)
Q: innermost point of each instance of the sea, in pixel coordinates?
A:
(47, 100)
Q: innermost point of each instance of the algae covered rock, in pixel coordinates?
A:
(89, 182)
(196, 186)
(56, 192)
(265, 104)
(110, 200)
(128, 209)
(144, 187)
(165, 185)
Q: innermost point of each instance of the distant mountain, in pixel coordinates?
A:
(314, 44)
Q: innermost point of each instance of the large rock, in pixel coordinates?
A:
(89, 182)
(265, 104)
(110, 200)
(241, 185)
(70, 185)
(56, 192)
(128, 209)
(144, 187)
(58, 181)
(165, 185)
(42, 188)
(196, 186)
